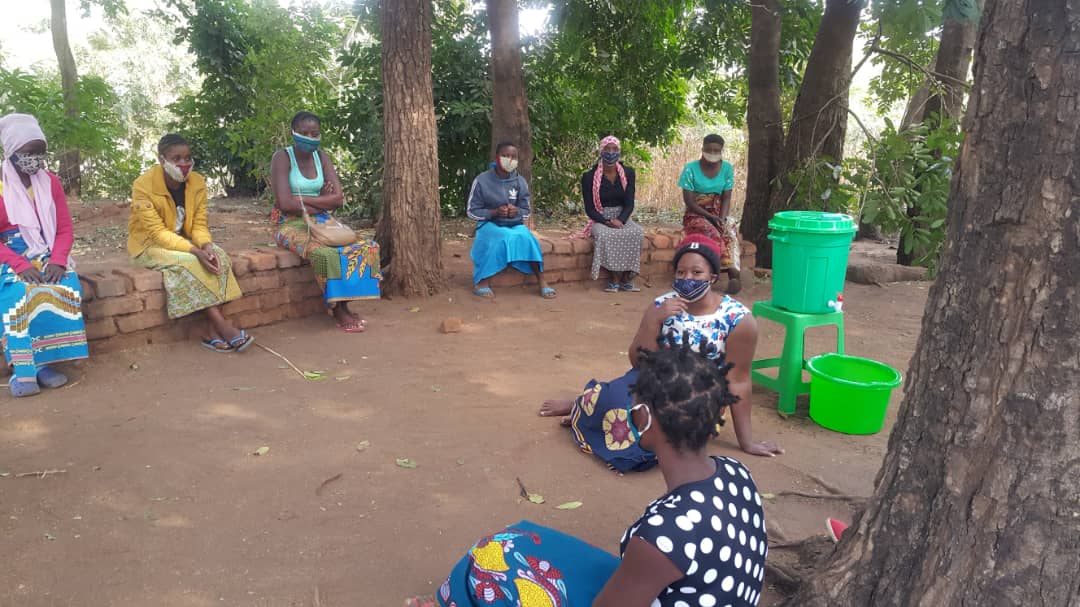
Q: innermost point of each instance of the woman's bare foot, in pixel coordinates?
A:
(556, 408)
(346, 320)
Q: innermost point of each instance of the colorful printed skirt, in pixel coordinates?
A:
(527, 565)
(343, 273)
(496, 247)
(727, 239)
(598, 423)
(43, 323)
(189, 287)
(617, 249)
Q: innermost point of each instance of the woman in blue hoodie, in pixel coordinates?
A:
(499, 203)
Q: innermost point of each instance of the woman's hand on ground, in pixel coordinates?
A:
(54, 273)
(32, 275)
(615, 223)
(763, 448)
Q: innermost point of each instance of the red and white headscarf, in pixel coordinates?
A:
(598, 175)
(36, 218)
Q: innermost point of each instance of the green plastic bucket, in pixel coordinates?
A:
(850, 394)
(810, 256)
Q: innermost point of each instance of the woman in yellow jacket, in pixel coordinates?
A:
(168, 232)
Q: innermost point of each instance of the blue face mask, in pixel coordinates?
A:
(610, 157)
(691, 289)
(305, 144)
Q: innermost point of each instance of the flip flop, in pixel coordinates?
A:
(217, 345)
(23, 388)
(612, 287)
(630, 287)
(241, 342)
(484, 292)
(51, 378)
(354, 327)
(548, 293)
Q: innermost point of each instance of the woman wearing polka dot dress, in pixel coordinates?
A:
(701, 544)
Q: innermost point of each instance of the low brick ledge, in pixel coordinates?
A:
(125, 307)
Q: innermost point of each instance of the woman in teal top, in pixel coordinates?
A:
(302, 178)
(706, 184)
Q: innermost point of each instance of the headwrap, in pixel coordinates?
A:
(702, 245)
(598, 175)
(36, 218)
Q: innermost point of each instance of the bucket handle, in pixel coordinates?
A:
(778, 238)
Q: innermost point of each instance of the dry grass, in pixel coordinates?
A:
(658, 191)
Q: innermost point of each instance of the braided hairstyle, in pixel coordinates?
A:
(170, 140)
(685, 391)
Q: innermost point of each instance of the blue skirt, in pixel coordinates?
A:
(527, 565)
(496, 247)
(598, 422)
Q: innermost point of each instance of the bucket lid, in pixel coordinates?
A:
(815, 222)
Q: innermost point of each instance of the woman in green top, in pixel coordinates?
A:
(706, 184)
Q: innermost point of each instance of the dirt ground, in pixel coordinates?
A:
(162, 501)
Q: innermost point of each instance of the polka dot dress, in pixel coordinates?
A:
(714, 532)
(618, 250)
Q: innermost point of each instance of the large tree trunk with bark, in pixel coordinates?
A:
(408, 231)
(764, 117)
(819, 119)
(70, 172)
(946, 98)
(978, 499)
(510, 104)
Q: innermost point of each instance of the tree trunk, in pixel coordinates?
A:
(978, 499)
(70, 173)
(819, 120)
(409, 227)
(510, 105)
(952, 61)
(764, 118)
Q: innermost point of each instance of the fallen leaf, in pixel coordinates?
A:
(414, 309)
(536, 498)
(364, 444)
(405, 462)
(558, 357)
(134, 366)
(435, 388)
(460, 461)
(283, 366)
(569, 506)
(50, 537)
(615, 304)
(768, 496)
(342, 377)
(5, 474)
(261, 451)
(314, 375)
(243, 388)
(342, 361)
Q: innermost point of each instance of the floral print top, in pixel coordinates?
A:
(713, 327)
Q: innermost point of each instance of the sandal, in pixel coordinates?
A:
(484, 292)
(612, 287)
(357, 326)
(630, 287)
(241, 342)
(217, 345)
(51, 378)
(548, 293)
(23, 388)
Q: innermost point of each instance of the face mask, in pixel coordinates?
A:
(305, 144)
(691, 289)
(175, 171)
(508, 164)
(610, 157)
(712, 158)
(28, 164)
(630, 421)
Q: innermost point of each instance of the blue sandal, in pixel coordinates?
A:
(51, 378)
(630, 287)
(23, 388)
(217, 345)
(548, 293)
(241, 342)
(484, 292)
(612, 287)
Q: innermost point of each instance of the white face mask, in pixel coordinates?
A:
(174, 171)
(508, 164)
(712, 158)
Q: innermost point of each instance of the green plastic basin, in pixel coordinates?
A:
(850, 394)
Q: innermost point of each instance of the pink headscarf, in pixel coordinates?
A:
(36, 218)
(597, 176)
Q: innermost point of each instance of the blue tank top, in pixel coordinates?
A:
(300, 185)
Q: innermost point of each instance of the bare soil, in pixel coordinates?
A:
(163, 502)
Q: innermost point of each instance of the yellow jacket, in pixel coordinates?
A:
(153, 214)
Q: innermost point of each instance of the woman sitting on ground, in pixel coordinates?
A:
(305, 179)
(169, 231)
(499, 202)
(607, 191)
(39, 293)
(716, 325)
(701, 543)
(707, 184)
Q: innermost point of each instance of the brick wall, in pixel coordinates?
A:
(125, 307)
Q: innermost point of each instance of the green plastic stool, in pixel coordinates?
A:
(788, 382)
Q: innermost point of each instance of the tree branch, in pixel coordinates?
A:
(870, 51)
(908, 61)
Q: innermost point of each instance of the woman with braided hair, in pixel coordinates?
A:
(702, 542)
(716, 325)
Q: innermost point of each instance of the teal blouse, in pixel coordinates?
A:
(694, 180)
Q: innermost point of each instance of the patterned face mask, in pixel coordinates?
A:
(28, 164)
(177, 172)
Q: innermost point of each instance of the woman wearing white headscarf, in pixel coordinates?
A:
(40, 300)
